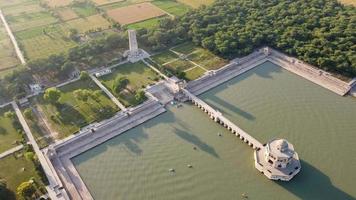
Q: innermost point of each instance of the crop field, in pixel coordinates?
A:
(58, 3)
(150, 23)
(8, 57)
(135, 13)
(66, 14)
(72, 114)
(348, 2)
(16, 169)
(89, 23)
(8, 133)
(139, 76)
(172, 7)
(103, 2)
(23, 8)
(196, 3)
(31, 20)
(41, 42)
(84, 9)
(5, 3)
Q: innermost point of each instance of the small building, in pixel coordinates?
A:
(278, 160)
(103, 72)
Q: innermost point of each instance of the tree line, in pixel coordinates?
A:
(320, 32)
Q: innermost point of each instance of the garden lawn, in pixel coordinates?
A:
(207, 59)
(44, 41)
(194, 73)
(139, 76)
(179, 65)
(16, 169)
(185, 48)
(164, 57)
(172, 7)
(8, 133)
(72, 114)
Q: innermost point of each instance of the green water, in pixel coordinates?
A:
(267, 102)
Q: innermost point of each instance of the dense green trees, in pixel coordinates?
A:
(320, 32)
(52, 95)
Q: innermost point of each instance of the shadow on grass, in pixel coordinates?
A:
(311, 183)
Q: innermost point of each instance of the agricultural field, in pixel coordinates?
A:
(92, 23)
(23, 8)
(66, 14)
(196, 3)
(9, 135)
(16, 169)
(72, 114)
(138, 75)
(44, 41)
(150, 23)
(8, 57)
(172, 7)
(11, 3)
(135, 13)
(348, 2)
(84, 9)
(30, 20)
(58, 3)
(104, 2)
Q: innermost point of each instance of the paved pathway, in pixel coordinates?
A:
(13, 40)
(107, 92)
(51, 176)
(11, 151)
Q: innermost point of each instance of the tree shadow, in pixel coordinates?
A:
(311, 183)
(193, 139)
(7, 194)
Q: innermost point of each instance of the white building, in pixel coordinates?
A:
(278, 160)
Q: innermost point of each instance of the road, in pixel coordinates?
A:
(11, 151)
(13, 40)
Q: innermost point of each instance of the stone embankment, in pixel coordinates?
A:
(242, 65)
(61, 152)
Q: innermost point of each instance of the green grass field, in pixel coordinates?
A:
(89, 23)
(150, 23)
(8, 3)
(139, 76)
(172, 7)
(44, 41)
(16, 169)
(207, 59)
(185, 48)
(164, 57)
(73, 114)
(194, 73)
(179, 65)
(196, 3)
(27, 7)
(8, 133)
(84, 10)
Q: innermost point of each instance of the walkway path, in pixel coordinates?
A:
(155, 69)
(11, 151)
(52, 177)
(107, 92)
(13, 40)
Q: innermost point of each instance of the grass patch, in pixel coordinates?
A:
(185, 48)
(11, 3)
(58, 3)
(179, 65)
(92, 23)
(30, 20)
(8, 57)
(139, 76)
(150, 23)
(23, 8)
(72, 114)
(44, 41)
(66, 14)
(164, 57)
(207, 59)
(121, 4)
(172, 7)
(8, 131)
(16, 169)
(194, 73)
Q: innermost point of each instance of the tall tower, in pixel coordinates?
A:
(134, 54)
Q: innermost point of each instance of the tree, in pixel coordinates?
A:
(140, 96)
(52, 95)
(9, 114)
(26, 190)
(120, 84)
(82, 95)
(28, 113)
(84, 75)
